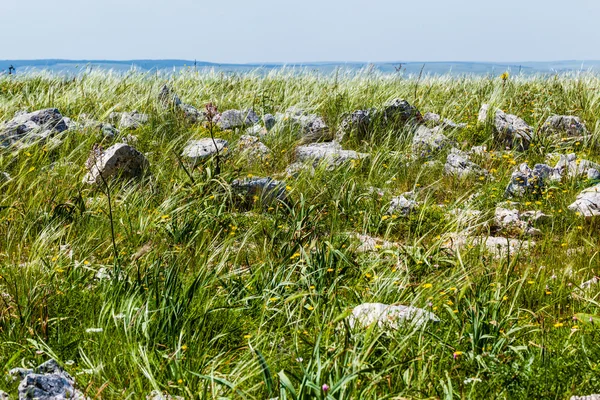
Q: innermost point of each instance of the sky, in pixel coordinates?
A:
(250, 31)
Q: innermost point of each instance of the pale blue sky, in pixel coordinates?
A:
(307, 30)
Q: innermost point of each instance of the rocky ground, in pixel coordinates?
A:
(299, 236)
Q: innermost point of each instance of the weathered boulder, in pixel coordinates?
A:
(427, 141)
(169, 99)
(433, 120)
(256, 130)
(129, 120)
(358, 124)
(568, 125)
(33, 126)
(269, 121)
(510, 130)
(459, 164)
(402, 204)
(46, 382)
(587, 202)
(568, 165)
(593, 174)
(198, 150)
(499, 246)
(119, 160)
(522, 223)
(330, 153)
(252, 148)
(389, 316)
(402, 112)
(526, 180)
(232, 119)
(263, 190)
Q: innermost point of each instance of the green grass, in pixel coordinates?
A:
(237, 303)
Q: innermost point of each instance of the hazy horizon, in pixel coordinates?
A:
(268, 31)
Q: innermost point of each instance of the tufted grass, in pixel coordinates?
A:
(232, 303)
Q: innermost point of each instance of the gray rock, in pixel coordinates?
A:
(499, 246)
(587, 202)
(198, 150)
(433, 120)
(593, 174)
(527, 180)
(263, 190)
(108, 131)
(459, 164)
(401, 112)
(568, 125)
(4, 395)
(571, 167)
(357, 124)
(269, 121)
(169, 99)
(157, 395)
(427, 141)
(402, 204)
(330, 153)
(312, 127)
(513, 220)
(588, 397)
(120, 160)
(252, 148)
(232, 119)
(48, 382)
(256, 130)
(389, 316)
(128, 120)
(30, 127)
(511, 130)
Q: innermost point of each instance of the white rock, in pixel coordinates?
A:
(587, 202)
(198, 150)
(389, 316)
(330, 153)
(119, 160)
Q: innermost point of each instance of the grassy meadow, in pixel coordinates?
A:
(199, 297)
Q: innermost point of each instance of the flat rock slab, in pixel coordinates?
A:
(330, 153)
(389, 316)
(587, 202)
(198, 150)
(120, 160)
(232, 119)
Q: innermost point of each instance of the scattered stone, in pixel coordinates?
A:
(370, 244)
(357, 124)
(263, 190)
(497, 245)
(593, 174)
(570, 166)
(390, 316)
(568, 125)
(312, 127)
(120, 160)
(294, 169)
(589, 397)
(256, 130)
(587, 202)
(527, 180)
(512, 131)
(511, 219)
(157, 395)
(427, 141)
(588, 284)
(402, 112)
(46, 382)
(269, 121)
(459, 164)
(330, 153)
(232, 119)
(4, 395)
(108, 131)
(30, 127)
(169, 99)
(252, 148)
(402, 204)
(129, 120)
(198, 150)
(433, 120)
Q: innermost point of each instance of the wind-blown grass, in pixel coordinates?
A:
(210, 300)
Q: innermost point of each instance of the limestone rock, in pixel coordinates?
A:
(330, 153)
(30, 127)
(512, 219)
(587, 202)
(402, 204)
(571, 167)
(389, 316)
(269, 121)
(588, 397)
(169, 99)
(232, 119)
(433, 120)
(157, 395)
(511, 130)
(427, 141)
(459, 164)
(263, 190)
(120, 160)
(357, 124)
(129, 120)
(568, 125)
(399, 111)
(252, 148)
(47, 382)
(198, 150)
(499, 246)
(369, 243)
(527, 180)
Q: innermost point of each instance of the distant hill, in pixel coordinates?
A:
(431, 68)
